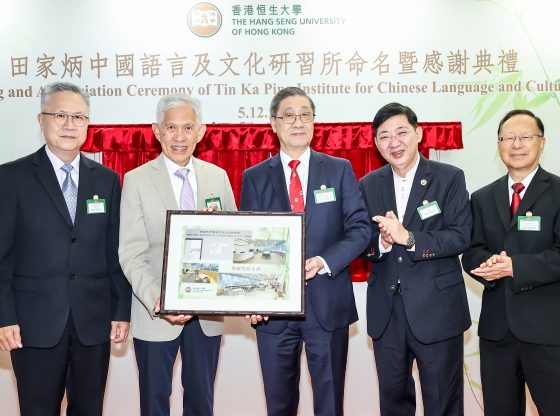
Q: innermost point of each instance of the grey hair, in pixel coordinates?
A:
(285, 93)
(49, 90)
(178, 100)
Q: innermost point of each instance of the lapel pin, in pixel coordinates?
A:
(423, 182)
(323, 187)
(425, 202)
(529, 214)
(95, 197)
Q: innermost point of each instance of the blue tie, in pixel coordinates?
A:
(70, 191)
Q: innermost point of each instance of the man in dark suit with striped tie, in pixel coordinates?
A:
(515, 254)
(63, 295)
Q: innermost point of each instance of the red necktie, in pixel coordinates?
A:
(296, 193)
(515, 198)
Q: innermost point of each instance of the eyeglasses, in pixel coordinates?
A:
(291, 118)
(523, 137)
(61, 118)
(400, 135)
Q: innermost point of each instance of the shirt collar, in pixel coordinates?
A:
(173, 167)
(526, 182)
(410, 174)
(57, 163)
(304, 157)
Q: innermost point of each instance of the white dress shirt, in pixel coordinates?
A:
(57, 166)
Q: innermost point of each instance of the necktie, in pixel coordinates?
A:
(70, 191)
(186, 199)
(516, 198)
(296, 192)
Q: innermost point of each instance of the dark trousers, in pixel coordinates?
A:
(155, 361)
(440, 366)
(505, 367)
(44, 373)
(280, 356)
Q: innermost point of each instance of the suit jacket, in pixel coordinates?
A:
(528, 304)
(49, 266)
(337, 231)
(147, 196)
(432, 285)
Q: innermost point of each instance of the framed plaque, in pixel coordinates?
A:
(233, 263)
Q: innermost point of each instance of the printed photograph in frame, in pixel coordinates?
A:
(233, 263)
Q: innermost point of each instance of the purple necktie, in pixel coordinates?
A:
(186, 199)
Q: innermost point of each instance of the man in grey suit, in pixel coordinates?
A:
(174, 180)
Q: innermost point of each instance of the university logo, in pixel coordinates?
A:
(204, 19)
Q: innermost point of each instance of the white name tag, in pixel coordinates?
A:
(428, 210)
(532, 223)
(324, 195)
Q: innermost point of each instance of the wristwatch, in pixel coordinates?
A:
(410, 241)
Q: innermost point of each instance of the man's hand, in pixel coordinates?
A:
(212, 208)
(392, 231)
(496, 267)
(255, 319)
(10, 338)
(174, 319)
(119, 331)
(312, 267)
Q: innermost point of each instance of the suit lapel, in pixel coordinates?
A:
(163, 184)
(46, 176)
(420, 185)
(201, 178)
(316, 176)
(538, 186)
(278, 181)
(387, 190)
(85, 187)
(501, 200)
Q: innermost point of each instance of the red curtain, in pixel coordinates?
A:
(236, 147)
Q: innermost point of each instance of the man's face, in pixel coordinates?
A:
(296, 137)
(179, 134)
(66, 139)
(517, 155)
(397, 141)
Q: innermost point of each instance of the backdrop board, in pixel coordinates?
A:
(468, 61)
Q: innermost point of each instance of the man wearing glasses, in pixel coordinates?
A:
(63, 295)
(337, 230)
(515, 254)
(416, 300)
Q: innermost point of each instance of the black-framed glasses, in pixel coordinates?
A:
(289, 118)
(78, 120)
(523, 137)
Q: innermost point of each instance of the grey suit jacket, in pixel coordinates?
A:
(147, 195)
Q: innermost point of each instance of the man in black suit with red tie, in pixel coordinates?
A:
(63, 295)
(515, 254)
(299, 179)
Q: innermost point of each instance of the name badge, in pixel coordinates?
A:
(529, 223)
(96, 206)
(213, 200)
(428, 210)
(324, 195)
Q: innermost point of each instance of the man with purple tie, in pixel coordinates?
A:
(174, 180)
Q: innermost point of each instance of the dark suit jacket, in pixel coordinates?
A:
(47, 265)
(529, 303)
(432, 285)
(337, 231)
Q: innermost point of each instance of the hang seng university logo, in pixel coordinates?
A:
(204, 19)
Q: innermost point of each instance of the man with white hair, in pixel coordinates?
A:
(175, 180)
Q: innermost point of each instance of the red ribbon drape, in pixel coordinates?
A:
(236, 147)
